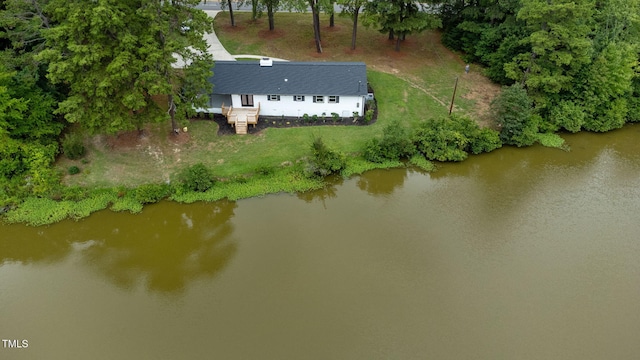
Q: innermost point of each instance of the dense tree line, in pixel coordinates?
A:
(574, 61)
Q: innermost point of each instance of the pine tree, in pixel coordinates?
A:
(118, 58)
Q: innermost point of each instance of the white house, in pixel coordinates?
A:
(279, 88)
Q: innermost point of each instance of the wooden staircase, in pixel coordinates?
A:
(241, 118)
(241, 125)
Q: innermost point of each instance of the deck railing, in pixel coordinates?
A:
(240, 118)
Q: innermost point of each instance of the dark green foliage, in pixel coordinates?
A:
(399, 17)
(452, 138)
(12, 158)
(73, 193)
(371, 104)
(395, 144)
(559, 36)
(25, 167)
(116, 57)
(567, 115)
(440, 139)
(373, 151)
(487, 31)
(577, 59)
(613, 116)
(368, 116)
(265, 170)
(324, 161)
(73, 170)
(28, 131)
(485, 140)
(196, 178)
(152, 193)
(633, 102)
(606, 85)
(512, 111)
(72, 146)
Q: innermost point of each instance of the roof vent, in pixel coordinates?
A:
(265, 61)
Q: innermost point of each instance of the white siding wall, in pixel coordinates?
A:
(287, 107)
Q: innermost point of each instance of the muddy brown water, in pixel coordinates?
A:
(517, 254)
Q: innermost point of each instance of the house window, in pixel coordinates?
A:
(246, 100)
(298, 98)
(273, 97)
(334, 99)
(318, 99)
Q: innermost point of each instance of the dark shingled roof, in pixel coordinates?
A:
(290, 78)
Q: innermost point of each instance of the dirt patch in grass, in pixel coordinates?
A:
(126, 140)
(181, 138)
(482, 94)
(130, 158)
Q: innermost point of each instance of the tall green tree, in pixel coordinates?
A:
(26, 151)
(119, 57)
(351, 8)
(228, 5)
(22, 24)
(315, 12)
(272, 7)
(513, 113)
(256, 7)
(399, 18)
(176, 30)
(560, 44)
(486, 31)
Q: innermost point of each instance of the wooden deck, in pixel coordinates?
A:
(241, 118)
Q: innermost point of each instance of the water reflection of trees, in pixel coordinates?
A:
(28, 245)
(505, 184)
(381, 182)
(166, 249)
(330, 191)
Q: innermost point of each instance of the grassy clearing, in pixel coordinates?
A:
(131, 160)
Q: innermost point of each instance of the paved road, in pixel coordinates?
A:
(217, 50)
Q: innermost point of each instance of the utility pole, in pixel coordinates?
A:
(455, 87)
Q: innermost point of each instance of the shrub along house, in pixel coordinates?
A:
(244, 90)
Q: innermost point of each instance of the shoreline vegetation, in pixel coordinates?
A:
(413, 90)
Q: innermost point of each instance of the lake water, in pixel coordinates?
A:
(518, 254)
